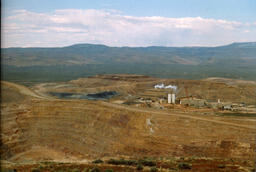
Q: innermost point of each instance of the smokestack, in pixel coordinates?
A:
(173, 98)
(169, 98)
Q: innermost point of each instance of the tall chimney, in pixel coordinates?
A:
(169, 98)
(173, 98)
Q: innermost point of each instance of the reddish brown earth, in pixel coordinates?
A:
(37, 127)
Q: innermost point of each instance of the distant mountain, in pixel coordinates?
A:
(82, 54)
(33, 65)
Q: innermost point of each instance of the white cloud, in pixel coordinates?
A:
(70, 26)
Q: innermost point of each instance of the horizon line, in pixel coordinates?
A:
(196, 46)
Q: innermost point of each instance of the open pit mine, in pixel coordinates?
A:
(129, 123)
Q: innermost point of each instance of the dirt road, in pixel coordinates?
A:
(175, 114)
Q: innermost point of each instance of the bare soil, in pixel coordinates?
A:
(37, 127)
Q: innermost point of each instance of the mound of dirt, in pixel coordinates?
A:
(10, 93)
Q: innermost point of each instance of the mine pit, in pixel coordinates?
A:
(92, 96)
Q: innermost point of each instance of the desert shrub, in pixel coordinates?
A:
(153, 169)
(95, 169)
(35, 170)
(129, 162)
(97, 161)
(49, 163)
(75, 170)
(184, 166)
(121, 162)
(221, 166)
(109, 170)
(146, 162)
(113, 161)
(173, 169)
(61, 170)
(8, 170)
(85, 170)
(139, 167)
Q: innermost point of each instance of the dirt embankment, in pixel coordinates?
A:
(15, 93)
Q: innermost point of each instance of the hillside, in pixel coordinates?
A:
(38, 127)
(35, 65)
(239, 53)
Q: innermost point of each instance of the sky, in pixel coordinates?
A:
(56, 23)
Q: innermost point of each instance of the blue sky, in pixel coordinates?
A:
(192, 19)
(238, 10)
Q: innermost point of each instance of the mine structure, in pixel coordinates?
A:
(161, 96)
(171, 98)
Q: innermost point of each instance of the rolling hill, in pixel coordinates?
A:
(237, 60)
(236, 53)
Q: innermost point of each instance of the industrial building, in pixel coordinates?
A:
(192, 101)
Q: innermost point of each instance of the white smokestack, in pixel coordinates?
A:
(173, 98)
(169, 98)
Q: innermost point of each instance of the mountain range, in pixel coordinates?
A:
(26, 65)
(80, 54)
